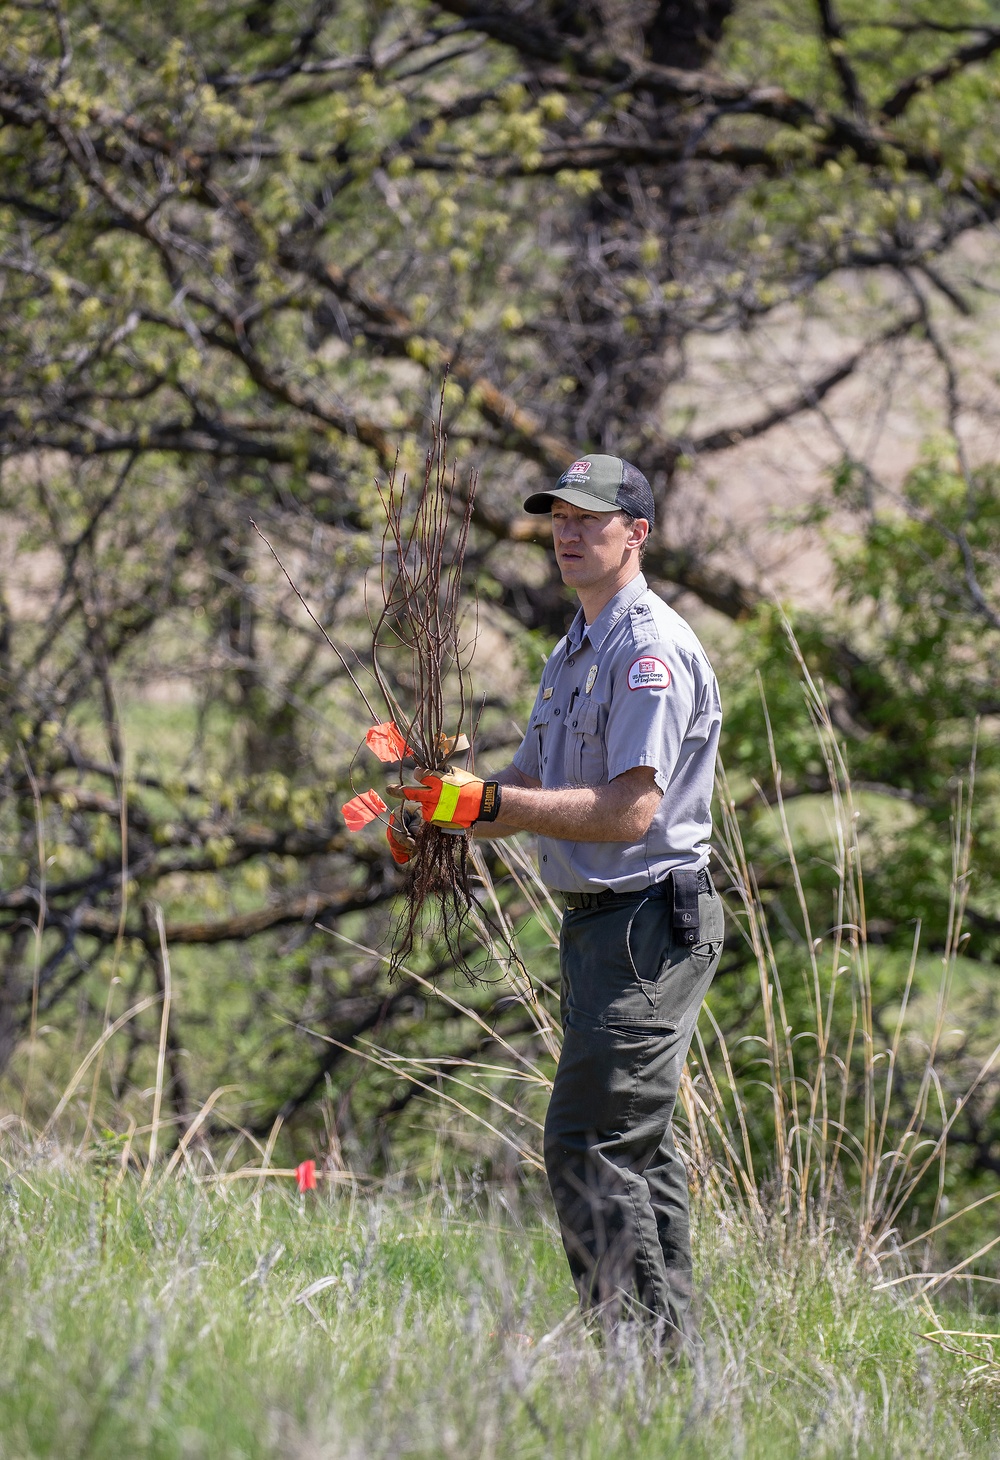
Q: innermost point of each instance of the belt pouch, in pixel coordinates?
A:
(685, 919)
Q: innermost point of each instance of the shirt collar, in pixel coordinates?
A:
(609, 615)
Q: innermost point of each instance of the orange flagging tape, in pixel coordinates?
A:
(362, 809)
(387, 742)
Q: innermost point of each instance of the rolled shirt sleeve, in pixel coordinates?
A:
(654, 703)
(665, 713)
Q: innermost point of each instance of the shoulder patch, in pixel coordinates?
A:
(648, 673)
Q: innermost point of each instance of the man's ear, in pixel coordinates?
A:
(637, 533)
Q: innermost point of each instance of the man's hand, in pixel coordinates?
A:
(454, 798)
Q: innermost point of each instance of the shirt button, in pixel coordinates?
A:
(544, 857)
(557, 712)
(574, 724)
(570, 661)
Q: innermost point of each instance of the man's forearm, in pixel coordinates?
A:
(617, 812)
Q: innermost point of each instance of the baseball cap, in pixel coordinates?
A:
(599, 484)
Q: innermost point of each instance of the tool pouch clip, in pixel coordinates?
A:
(685, 918)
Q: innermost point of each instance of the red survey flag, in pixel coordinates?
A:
(362, 809)
(305, 1175)
(387, 742)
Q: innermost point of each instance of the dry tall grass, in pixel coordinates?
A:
(845, 1157)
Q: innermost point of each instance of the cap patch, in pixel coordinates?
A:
(579, 469)
(647, 673)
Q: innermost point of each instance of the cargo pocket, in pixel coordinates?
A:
(645, 1029)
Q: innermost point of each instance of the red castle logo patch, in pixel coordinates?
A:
(648, 673)
(578, 469)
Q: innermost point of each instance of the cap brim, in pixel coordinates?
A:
(542, 501)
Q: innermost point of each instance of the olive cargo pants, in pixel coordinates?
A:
(630, 1001)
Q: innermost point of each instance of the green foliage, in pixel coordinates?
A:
(906, 655)
(240, 245)
(200, 1321)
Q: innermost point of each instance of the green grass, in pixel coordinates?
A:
(435, 1318)
(175, 1324)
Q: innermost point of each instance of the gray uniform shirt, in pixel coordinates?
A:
(634, 688)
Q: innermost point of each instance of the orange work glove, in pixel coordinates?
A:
(401, 843)
(452, 799)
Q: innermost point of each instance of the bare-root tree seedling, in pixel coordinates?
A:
(418, 643)
(420, 629)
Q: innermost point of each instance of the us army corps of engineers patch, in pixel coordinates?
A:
(648, 673)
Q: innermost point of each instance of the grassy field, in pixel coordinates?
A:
(155, 1301)
(216, 1320)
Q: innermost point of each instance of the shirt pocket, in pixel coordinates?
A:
(586, 759)
(538, 729)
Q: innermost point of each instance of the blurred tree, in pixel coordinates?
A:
(240, 246)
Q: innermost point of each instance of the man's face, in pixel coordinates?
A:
(592, 548)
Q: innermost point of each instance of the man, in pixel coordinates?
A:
(615, 776)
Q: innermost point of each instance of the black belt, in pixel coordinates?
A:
(682, 886)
